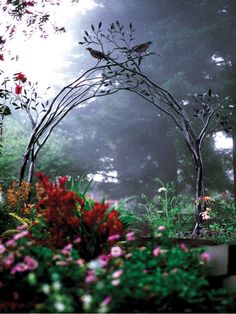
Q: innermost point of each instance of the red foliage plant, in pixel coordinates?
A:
(67, 218)
(102, 223)
(59, 207)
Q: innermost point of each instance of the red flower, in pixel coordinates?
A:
(1, 57)
(18, 89)
(28, 3)
(20, 77)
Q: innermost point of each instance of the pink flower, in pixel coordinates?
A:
(117, 274)
(114, 237)
(156, 251)
(22, 227)
(205, 215)
(161, 228)
(20, 235)
(67, 249)
(130, 236)
(115, 282)
(20, 267)
(80, 262)
(30, 262)
(8, 260)
(15, 295)
(116, 251)
(77, 240)
(11, 243)
(128, 255)
(107, 300)
(62, 263)
(91, 277)
(2, 249)
(205, 257)
(103, 260)
(184, 247)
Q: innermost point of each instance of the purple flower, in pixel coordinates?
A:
(103, 260)
(30, 262)
(107, 300)
(91, 277)
(114, 237)
(20, 235)
(67, 249)
(116, 251)
(8, 260)
(20, 267)
(11, 243)
(130, 236)
(22, 227)
(2, 249)
(77, 240)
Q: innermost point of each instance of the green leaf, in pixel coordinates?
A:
(88, 186)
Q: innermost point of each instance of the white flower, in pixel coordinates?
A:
(46, 288)
(87, 300)
(94, 264)
(162, 189)
(60, 307)
(56, 285)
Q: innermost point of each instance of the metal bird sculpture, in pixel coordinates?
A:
(97, 54)
(142, 47)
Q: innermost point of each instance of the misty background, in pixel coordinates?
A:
(124, 140)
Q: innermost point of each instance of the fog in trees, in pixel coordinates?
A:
(129, 142)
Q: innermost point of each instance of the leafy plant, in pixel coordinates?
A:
(36, 278)
(168, 210)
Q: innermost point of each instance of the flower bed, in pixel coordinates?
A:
(76, 255)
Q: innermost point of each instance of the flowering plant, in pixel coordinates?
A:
(152, 279)
(45, 274)
(64, 216)
(36, 278)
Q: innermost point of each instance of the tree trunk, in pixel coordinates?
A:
(199, 228)
(24, 166)
(31, 169)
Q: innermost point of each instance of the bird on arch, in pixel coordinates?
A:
(97, 54)
(142, 47)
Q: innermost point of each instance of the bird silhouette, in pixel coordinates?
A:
(97, 54)
(142, 47)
